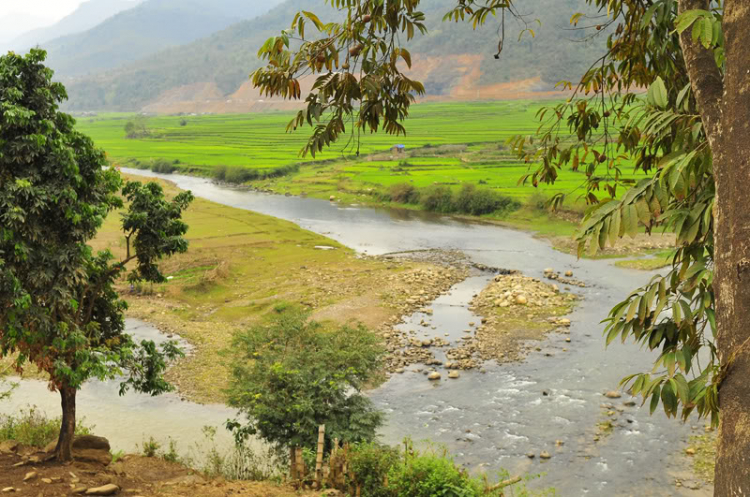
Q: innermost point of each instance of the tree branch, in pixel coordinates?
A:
(704, 74)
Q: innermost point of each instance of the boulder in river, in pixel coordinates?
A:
(434, 376)
(545, 455)
(613, 394)
(453, 375)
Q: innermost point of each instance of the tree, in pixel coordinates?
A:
(688, 133)
(58, 305)
(291, 375)
(137, 127)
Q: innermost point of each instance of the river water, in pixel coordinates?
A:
(489, 419)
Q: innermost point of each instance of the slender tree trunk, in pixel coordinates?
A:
(64, 449)
(732, 258)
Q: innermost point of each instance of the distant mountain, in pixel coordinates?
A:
(17, 23)
(85, 17)
(454, 61)
(152, 26)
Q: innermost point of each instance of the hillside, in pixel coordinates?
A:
(146, 29)
(453, 60)
(85, 17)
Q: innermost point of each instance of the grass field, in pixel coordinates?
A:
(448, 144)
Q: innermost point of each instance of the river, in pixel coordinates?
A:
(488, 419)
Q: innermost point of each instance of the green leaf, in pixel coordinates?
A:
(657, 94)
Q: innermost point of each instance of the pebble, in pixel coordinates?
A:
(690, 451)
(530, 455)
(545, 455)
(453, 375)
(109, 489)
(30, 476)
(433, 376)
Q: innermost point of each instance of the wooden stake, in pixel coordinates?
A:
(300, 464)
(319, 457)
(292, 464)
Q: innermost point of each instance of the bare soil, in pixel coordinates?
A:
(134, 475)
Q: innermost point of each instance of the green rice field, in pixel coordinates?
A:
(447, 143)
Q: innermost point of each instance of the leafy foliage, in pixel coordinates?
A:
(58, 305)
(601, 128)
(291, 376)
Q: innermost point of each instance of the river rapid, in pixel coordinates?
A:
(489, 419)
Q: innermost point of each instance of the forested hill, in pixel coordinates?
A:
(451, 59)
(152, 26)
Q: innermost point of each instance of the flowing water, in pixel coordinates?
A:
(489, 419)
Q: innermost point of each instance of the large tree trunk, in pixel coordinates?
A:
(725, 111)
(64, 449)
(732, 258)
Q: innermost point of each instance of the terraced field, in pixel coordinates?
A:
(447, 143)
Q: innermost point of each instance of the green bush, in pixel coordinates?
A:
(220, 173)
(372, 463)
(163, 166)
(437, 198)
(431, 475)
(479, 201)
(292, 375)
(32, 427)
(403, 193)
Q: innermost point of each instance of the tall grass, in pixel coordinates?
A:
(32, 427)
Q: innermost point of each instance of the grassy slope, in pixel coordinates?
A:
(241, 264)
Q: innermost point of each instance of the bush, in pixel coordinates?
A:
(291, 375)
(404, 193)
(437, 199)
(32, 427)
(372, 463)
(220, 173)
(163, 166)
(479, 201)
(429, 475)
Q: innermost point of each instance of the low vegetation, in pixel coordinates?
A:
(33, 428)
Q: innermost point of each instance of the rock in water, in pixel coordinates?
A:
(568, 274)
(545, 455)
(433, 376)
(453, 375)
(109, 489)
(613, 395)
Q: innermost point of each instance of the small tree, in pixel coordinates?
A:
(291, 376)
(137, 127)
(58, 305)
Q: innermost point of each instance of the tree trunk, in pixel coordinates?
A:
(732, 257)
(64, 449)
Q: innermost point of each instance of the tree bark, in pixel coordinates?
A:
(732, 255)
(64, 448)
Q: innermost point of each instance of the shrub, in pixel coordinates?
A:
(404, 193)
(372, 463)
(220, 173)
(32, 427)
(437, 199)
(429, 475)
(291, 375)
(150, 447)
(163, 166)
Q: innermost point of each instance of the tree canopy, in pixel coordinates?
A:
(59, 308)
(668, 97)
